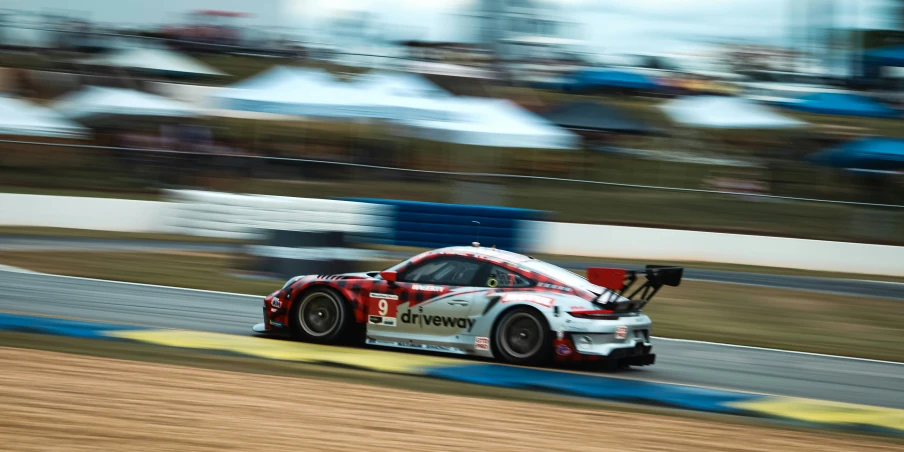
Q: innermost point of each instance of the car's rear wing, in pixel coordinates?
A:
(619, 281)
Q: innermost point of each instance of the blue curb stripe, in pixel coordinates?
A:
(59, 327)
(598, 387)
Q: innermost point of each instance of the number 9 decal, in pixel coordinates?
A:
(382, 309)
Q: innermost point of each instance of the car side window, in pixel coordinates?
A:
(501, 277)
(450, 271)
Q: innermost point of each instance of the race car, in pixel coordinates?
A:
(478, 301)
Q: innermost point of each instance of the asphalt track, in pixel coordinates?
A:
(856, 287)
(700, 364)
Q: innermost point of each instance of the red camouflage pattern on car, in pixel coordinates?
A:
(357, 288)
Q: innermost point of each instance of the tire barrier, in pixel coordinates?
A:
(247, 217)
(436, 225)
(813, 413)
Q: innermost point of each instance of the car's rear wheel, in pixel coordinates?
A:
(320, 315)
(522, 336)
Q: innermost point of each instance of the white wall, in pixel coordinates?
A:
(199, 213)
(676, 245)
(232, 214)
(74, 212)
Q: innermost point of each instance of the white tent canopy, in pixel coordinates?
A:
(96, 100)
(315, 93)
(301, 92)
(400, 84)
(154, 59)
(18, 117)
(722, 112)
(494, 123)
(282, 77)
(407, 96)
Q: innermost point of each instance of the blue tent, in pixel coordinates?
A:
(863, 153)
(843, 104)
(886, 56)
(591, 78)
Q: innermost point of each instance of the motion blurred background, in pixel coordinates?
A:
(228, 145)
(777, 117)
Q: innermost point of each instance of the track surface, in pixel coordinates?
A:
(711, 365)
(856, 287)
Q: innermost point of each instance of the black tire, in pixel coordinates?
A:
(522, 336)
(320, 315)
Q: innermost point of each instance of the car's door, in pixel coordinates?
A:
(428, 304)
(495, 277)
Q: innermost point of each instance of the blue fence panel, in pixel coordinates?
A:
(436, 225)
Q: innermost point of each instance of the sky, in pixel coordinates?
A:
(608, 26)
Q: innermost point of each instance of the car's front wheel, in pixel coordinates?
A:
(523, 337)
(320, 315)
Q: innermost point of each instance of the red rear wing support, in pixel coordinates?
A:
(610, 278)
(619, 280)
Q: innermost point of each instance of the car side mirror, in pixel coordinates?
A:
(388, 275)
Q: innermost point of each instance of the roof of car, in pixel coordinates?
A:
(478, 251)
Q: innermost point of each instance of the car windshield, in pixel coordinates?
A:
(559, 274)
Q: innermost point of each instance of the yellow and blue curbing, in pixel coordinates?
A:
(286, 350)
(818, 413)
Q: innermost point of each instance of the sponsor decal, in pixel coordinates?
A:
(428, 288)
(276, 324)
(437, 320)
(384, 296)
(274, 303)
(415, 346)
(554, 287)
(621, 332)
(381, 320)
(383, 307)
(512, 297)
(482, 343)
(564, 350)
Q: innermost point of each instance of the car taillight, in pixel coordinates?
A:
(599, 314)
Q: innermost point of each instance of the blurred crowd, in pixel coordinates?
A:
(747, 119)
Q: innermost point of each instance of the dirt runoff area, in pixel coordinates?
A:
(52, 402)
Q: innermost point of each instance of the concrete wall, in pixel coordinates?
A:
(231, 215)
(676, 245)
(73, 212)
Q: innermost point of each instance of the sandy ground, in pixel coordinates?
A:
(56, 402)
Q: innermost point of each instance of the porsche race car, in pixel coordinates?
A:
(477, 301)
